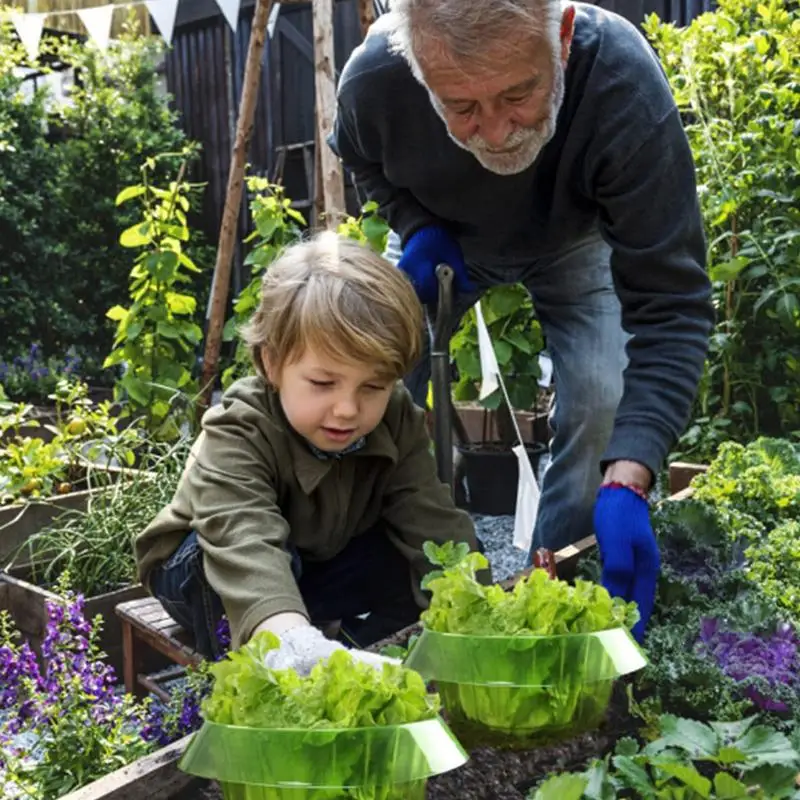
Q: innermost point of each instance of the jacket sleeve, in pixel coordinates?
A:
(239, 525)
(417, 506)
(397, 206)
(649, 214)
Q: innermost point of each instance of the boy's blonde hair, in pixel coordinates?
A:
(341, 299)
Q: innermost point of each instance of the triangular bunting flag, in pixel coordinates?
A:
(98, 23)
(29, 28)
(490, 370)
(163, 12)
(230, 10)
(527, 500)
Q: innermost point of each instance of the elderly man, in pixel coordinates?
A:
(536, 141)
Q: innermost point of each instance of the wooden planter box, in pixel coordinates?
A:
(154, 777)
(533, 425)
(26, 603)
(19, 521)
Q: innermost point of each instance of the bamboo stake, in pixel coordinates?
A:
(233, 201)
(325, 86)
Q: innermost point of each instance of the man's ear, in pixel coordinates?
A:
(567, 32)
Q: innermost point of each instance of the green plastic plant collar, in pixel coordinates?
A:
(525, 661)
(323, 758)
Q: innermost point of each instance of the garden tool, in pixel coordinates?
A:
(445, 420)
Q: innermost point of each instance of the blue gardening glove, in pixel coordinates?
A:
(424, 251)
(628, 550)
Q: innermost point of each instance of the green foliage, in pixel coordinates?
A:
(368, 228)
(517, 338)
(689, 760)
(774, 564)
(338, 693)
(61, 167)
(84, 431)
(735, 74)
(156, 335)
(760, 479)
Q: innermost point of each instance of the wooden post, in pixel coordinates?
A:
(233, 200)
(325, 87)
(366, 15)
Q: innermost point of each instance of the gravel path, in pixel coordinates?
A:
(496, 533)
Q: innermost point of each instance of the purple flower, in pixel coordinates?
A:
(223, 633)
(757, 661)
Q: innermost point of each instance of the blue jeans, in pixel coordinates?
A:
(370, 576)
(578, 309)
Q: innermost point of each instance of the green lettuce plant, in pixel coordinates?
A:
(342, 707)
(531, 666)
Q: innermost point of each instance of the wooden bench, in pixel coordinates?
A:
(145, 623)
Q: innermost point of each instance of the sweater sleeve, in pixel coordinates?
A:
(650, 216)
(239, 525)
(417, 506)
(397, 206)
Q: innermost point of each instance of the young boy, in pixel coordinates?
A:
(312, 487)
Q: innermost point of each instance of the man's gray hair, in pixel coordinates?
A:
(465, 27)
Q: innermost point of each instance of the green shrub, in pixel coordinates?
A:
(736, 78)
(61, 264)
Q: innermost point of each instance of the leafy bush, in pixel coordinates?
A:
(736, 78)
(61, 168)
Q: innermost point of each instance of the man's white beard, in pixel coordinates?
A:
(524, 144)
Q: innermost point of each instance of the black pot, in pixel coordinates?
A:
(491, 473)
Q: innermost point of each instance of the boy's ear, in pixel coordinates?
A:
(269, 371)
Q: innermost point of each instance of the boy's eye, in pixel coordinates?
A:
(374, 388)
(320, 384)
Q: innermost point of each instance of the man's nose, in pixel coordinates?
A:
(495, 129)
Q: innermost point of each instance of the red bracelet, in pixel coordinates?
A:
(632, 486)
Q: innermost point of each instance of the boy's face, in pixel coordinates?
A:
(332, 404)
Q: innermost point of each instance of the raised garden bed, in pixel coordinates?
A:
(20, 521)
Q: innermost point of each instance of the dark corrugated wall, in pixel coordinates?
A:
(205, 69)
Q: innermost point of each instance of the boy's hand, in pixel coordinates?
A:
(305, 646)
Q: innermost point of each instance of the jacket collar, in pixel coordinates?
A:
(309, 468)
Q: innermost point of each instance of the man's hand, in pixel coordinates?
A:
(424, 251)
(305, 646)
(628, 547)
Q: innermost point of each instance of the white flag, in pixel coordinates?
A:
(29, 28)
(230, 10)
(163, 12)
(489, 367)
(98, 22)
(546, 366)
(527, 500)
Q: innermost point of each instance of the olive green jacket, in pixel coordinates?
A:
(254, 486)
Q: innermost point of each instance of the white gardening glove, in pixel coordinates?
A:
(303, 646)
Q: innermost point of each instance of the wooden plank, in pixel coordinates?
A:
(681, 474)
(366, 15)
(154, 777)
(332, 177)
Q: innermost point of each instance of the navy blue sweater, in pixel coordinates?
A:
(619, 163)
